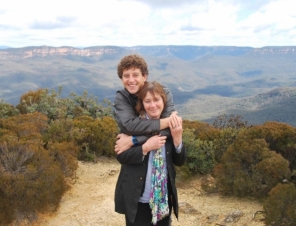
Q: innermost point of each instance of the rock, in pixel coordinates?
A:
(187, 208)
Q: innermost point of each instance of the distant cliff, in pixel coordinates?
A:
(181, 52)
(44, 51)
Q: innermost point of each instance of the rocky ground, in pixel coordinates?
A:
(90, 202)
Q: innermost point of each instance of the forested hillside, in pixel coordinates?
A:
(206, 81)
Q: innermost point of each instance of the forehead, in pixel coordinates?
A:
(151, 95)
(131, 70)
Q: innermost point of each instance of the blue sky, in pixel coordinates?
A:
(147, 22)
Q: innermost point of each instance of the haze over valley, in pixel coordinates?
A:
(206, 81)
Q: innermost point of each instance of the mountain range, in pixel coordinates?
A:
(206, 81)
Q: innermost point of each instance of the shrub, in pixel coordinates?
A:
(7, 110)
(95, 137)
(66, 154)
(200, 154)
(248, 167)
(223, 139)
(281, 138)
(30, 180)
(280, 206)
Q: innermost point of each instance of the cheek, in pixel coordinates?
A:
(146, 106)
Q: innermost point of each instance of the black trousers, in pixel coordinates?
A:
(144, 217)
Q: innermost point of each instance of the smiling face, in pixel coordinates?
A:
(153, 105)
(133, 79)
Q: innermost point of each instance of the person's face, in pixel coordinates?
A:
(153, 105)
(133, 80)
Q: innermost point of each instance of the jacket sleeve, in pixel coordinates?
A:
(133, 155)
(179, 158)
(127, 119)
(170, 107)
(131, 124)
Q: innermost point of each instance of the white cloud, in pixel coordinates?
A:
(147, 22)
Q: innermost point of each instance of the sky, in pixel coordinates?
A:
(85, 23)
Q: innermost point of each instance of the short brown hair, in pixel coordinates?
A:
(153, 88)
(131, 61)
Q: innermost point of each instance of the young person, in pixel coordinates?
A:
(133, 72)
(145, 190)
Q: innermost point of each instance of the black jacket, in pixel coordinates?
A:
(132, 176)
(130, 123)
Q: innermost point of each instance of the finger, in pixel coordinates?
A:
(174, 121)
(118, 136)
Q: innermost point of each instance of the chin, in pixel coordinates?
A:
(154, 117)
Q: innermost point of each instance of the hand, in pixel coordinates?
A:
(123, 143)
(176, 127)
(154, 143)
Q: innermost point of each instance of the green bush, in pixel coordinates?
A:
(280, 206)
(200, 154)
(249, 168)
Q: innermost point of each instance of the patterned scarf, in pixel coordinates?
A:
(159, 193)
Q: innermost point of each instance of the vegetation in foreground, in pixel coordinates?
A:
(43, 137)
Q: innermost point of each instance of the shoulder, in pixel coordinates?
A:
(122, 92)
(166, 90)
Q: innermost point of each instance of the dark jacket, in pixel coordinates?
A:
(132, 176)
(130, 123)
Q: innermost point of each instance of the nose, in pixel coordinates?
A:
(131, 78)
(152, 104)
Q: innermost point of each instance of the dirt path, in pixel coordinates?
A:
(90, 202)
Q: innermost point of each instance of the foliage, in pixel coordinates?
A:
(54, 107)
(65, 153)
(95, 136)
(30, 180)
(26, 126)
(200, 154)
(223, 140)
(30, 98)
(248, 167)
(7, 110)
(201, 130)
(280, 205)
(281, 138)
(60, 130)
(231, 121)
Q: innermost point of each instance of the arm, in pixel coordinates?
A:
(134, 155)
(131, 124)
(176, 127)
(127, 119)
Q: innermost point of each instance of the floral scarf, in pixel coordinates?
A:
(159, 193)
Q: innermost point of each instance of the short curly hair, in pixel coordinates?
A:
(131, 61)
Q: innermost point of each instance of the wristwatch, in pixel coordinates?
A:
(135, 140)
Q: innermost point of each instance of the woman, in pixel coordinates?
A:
(145, 190)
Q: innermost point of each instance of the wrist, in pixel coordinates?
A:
(144, 149)
(164, 123)
(177, 143)
(135, 140)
